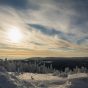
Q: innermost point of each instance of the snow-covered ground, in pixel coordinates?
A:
(46, 80)
(78, 75)
(55, 82)
(38, 77)
(30, 80)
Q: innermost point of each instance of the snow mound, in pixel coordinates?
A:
(78, 75)
(11, 81)
(37, 77)
(79, 83)
(30, 80)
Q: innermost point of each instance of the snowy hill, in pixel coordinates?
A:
(72, 81)
(10, 81)
(30, 80)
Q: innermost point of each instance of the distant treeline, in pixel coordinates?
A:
(26, 66)
(44, 65)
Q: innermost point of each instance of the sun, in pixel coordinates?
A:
(14, 35)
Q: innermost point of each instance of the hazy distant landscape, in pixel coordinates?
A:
(49, 72)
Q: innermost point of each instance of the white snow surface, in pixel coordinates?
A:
(78, 75)
(38, 77)
(31, 80)
(55, 81)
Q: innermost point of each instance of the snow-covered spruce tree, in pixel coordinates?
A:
(76, 70)
(83, 69)
(67, 70)
(56, 73)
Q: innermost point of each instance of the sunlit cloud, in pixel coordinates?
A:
(49, 27)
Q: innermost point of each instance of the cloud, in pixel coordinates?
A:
(83, 41)
(37, 43)
(59, 25)
(51, 32)
(45, 30)
(19, 4)
(67, 16)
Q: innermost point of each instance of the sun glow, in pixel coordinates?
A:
(14, 35)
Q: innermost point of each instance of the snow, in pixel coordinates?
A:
(72, 81)
(38, 77)
(12, 80)
(79, 83)
(78, 75)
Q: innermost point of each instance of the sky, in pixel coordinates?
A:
(54, 28)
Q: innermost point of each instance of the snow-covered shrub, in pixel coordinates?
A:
(56, 73)
(42, 85)
(63, 74)
(2, 69)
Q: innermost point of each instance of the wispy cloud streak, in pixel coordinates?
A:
(46, 25)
